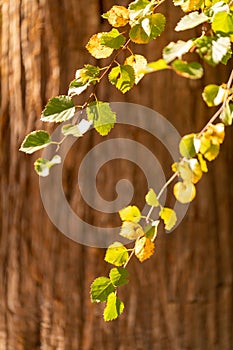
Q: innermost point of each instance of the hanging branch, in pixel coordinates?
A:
(142, 24)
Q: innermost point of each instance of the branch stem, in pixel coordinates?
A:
(131, 255)
(219, 111)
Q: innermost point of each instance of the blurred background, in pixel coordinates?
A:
(181, 299)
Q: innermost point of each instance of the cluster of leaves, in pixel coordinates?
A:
(196, 150)
(104, 289)
(139, 23)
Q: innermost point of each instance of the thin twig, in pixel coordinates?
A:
(161, 192)
(132, 253)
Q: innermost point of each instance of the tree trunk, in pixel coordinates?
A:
(182, 297)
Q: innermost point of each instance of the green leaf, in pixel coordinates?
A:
(131, 230)
(176, 50)
(114, 308)
(113, 39)
(88, 73)
(95, 47)
(227, 114)
(119, 276)
(223, 23)
(189, 146)
(213, 49)
(151, 230)
(214, 95)
(102, 116)
(122, 77)
(139, 64)
(148, 28)
(83, 78)
(76, 87)
(169, 217)
(191, 70)
(101, 288)
(117, 16)
(42, 166)
(156, 66)
(138, 9)
(58, 109)
(138, 35)
(151, 198)
(184, 192)
(116, 254)
(130, 213)
(35, 141)
(191, 20)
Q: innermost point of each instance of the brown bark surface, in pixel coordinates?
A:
(179, 300)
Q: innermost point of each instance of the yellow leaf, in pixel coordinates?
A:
(211, 140)
(144, 248)
(95, 47)
(151, 198)
(131, 230)
(205, 144)
(169, 217)
(117, 16)
(139, 64)
(217, 133)
(191, 5)
(130, 213)
(184, 192)
(175, 167)
(202, 162)
(189, 170)
(196, 170)
(212, 152)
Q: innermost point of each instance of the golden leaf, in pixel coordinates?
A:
(191, 5)
(169, 217)
(184, 192)
(95, 47)
(144, 248)
(196, 170)
(117, 16)
(130, 213)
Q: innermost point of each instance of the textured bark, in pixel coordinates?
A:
(180, 299)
